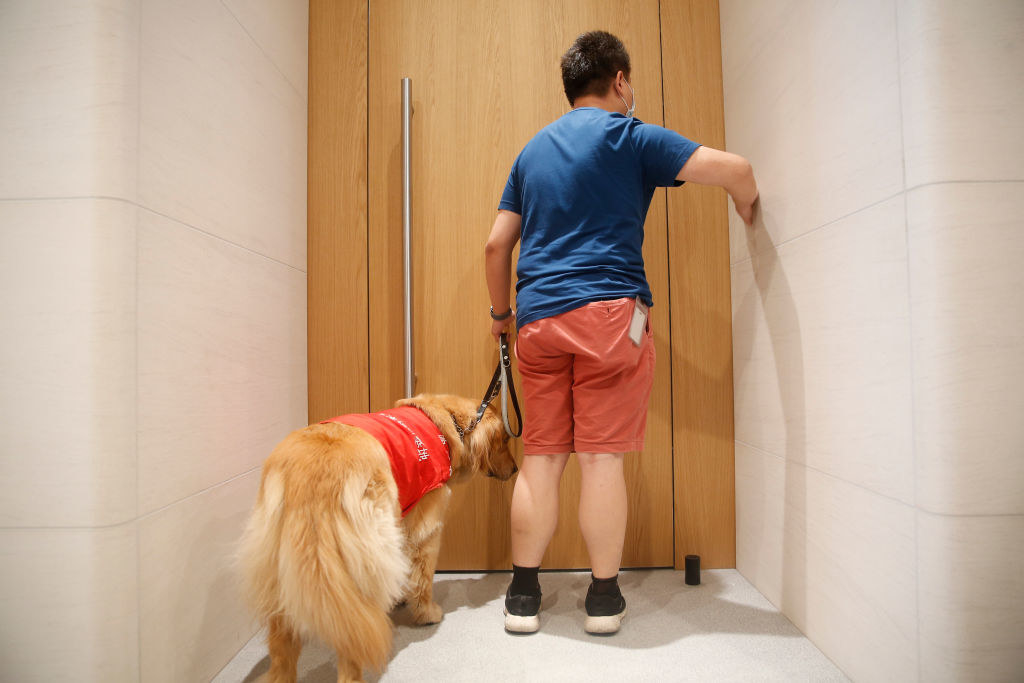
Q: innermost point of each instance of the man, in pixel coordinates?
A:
(577, 196)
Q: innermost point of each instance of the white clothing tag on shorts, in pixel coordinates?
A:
(638, 323)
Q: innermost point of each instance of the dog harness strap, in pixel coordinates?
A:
(419, 454)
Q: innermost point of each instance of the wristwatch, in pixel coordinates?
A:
(504, 316)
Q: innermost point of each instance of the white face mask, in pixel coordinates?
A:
(630, 109)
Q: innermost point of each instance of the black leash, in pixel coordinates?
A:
(502, 383)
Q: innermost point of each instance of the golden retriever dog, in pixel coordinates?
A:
(327, 552)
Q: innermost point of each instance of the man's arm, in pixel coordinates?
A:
(708, 166)
(498, 260)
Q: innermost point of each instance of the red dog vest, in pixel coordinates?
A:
(420, 459)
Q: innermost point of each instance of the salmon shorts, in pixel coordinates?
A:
(586, 385)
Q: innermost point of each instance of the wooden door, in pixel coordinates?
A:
(485, 78)
(702, 381)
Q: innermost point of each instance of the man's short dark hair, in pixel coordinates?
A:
(590, 65)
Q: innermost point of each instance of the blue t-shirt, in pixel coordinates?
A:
(583, 185)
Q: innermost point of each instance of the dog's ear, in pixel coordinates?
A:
(488, 445)
(480, 442)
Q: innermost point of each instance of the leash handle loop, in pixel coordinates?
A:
(501, 382)
(508, 388)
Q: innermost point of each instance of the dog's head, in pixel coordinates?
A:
(485, 447)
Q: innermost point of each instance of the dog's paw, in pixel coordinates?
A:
(427, 614)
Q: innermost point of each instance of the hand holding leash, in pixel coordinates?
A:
(502, 322)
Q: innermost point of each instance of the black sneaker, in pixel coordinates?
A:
(521, 612)
(605, 611)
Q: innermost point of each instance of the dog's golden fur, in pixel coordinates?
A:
(327, 554)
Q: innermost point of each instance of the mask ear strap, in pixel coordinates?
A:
(630, 109)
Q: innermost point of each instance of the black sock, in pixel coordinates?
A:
(604, 586)
(524, 581)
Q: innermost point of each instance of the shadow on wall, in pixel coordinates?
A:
(781, 320)
(226, 623)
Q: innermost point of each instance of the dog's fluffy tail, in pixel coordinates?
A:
(326, 553)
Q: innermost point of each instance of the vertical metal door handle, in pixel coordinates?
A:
(407, 229)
